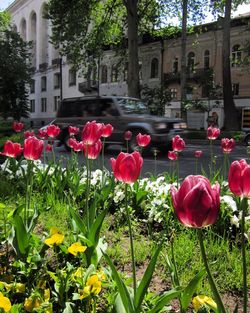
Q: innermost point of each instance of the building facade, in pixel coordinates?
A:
(160, 62)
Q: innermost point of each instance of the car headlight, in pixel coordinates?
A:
(160, 125)
(180, 125)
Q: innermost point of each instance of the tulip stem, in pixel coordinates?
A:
(87, 189)
(243, 205)
(210, 277)
(103, 146)
(211, 158)
(131, 240)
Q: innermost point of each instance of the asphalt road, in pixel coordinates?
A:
(187, 161)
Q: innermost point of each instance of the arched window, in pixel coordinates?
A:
(114, 73)
(206, 59)
(154, 68)
(44, 37)
(175, 65)
(104, 74)
(23, 29)
(190, 61)
(236, 56)
(33, 37)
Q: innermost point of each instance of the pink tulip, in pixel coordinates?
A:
(33, 148)
(127, 167)
(143, 140)
(92, 132)
(107, 130)
(92, 151)
(128, 135)
(42, 133)
(172, 155)
(227, 145)
(48, 148)
(17, 126)
(75, 145)
(53, 131)
(28, 134)
(196, 203)
(73, 130)
(178, 144)
(213, 133)
(239, 178)
(11, 149)
(198, 153)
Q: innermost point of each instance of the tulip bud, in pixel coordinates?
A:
(92, 131)
(227, 145)
(196, 203)
(143, 140)
(213, 133)
(73, 130)
(198, 153)
(128, 135)
(172, 155)
(92, 151)
(53, 131)
(42, 133)
(11, 149)
(107, 130)
(33, 148)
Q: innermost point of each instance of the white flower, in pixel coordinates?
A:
(235, 221)
(230, 202)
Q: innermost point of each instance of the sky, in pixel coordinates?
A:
(241, 9)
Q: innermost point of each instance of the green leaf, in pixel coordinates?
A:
(188, 292)
(165, 299)
(78, 220)
(122, 289)
(21, 234)
(143, 287)
(95, 229)
(68, 307)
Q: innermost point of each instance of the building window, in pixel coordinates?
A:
(173, 93)
(236, 56)
(72, 77)
(175, 66)
(32, 86)
(235, 89)
(56, 80)
(190, 62)
(154, 68)
(114, 73)
(43, 83)
(43, 104)
(206, 59)
(56, 103)
(104, 74)
(32, 106)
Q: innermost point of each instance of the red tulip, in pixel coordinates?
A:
(198, 153)
(18, 127)
(42, 133)
(227, 145)
(28, 134)
(107, 130)
(213, 133)
(127, 167)
(93, 151)
(178, 144)
(196, 203)
(127, 135)
(48, 147)
(92, 131)
(73, 130)
(33, 148)
(172, 155)
(53, 131)
(239, 178)
(75, 145)
(143, 140)
(11, 149)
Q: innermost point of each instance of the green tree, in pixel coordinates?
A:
(15, 73)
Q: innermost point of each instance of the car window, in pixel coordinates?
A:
(108, 107)
(131, 106)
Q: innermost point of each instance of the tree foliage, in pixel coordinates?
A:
(15, 73)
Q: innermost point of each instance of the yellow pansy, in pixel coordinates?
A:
(55, 239)
(85, 292)
(76, 248)
(20, 287)
(32, 303)
(95, 284)
(5, 303)
(202, 300)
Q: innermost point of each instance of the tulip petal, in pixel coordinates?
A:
(234, 178)
(246, 182)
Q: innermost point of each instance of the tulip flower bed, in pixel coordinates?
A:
(77, 240)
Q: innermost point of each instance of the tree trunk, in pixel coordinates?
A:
(231, 121)
(133, 59)
(183, 74)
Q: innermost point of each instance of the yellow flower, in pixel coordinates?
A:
(32, 303)
(5, 303)
(55, 239)
(93, 286)
(20, 287)
(202, 300)
(46, 295)
(85, 292)
(76, 248)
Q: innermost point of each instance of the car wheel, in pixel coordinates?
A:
(247, 140)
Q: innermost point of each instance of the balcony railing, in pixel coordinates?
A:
(195, 75)
(56, 62)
